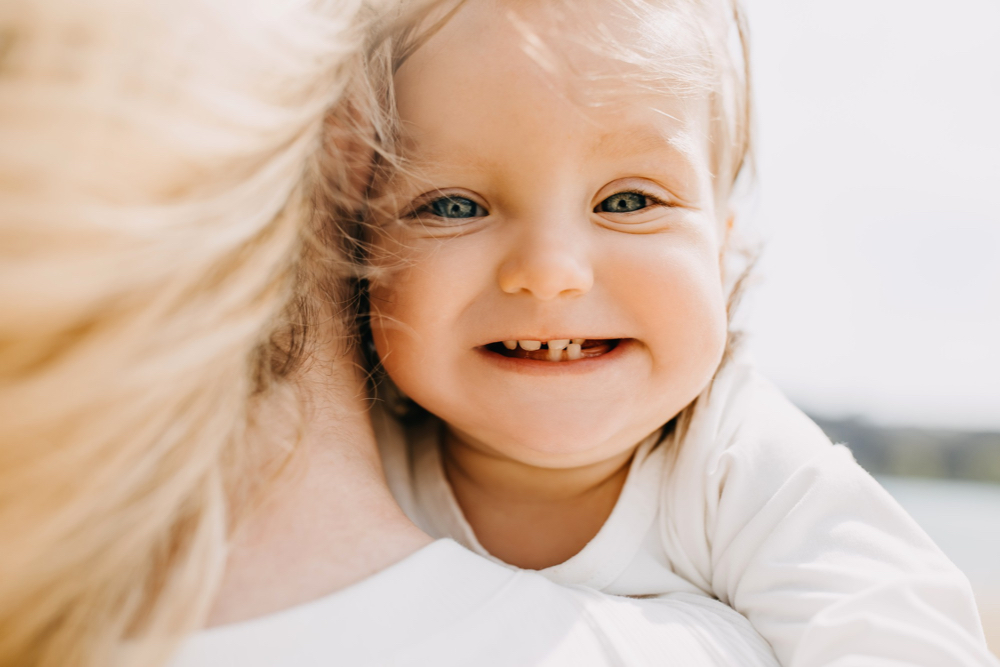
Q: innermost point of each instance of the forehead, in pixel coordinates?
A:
(499, 70)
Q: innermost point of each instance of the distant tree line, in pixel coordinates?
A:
(918, 452)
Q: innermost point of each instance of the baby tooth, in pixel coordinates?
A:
(510, 344)
(578, 341)
(530, 345)
(558, 344)
(555, 355)
(573, 351)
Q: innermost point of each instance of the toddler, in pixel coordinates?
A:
(550, 285)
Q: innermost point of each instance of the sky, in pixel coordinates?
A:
(878, 127)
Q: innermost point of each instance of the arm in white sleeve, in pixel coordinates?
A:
(791, 532)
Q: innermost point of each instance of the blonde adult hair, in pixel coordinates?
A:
(161, 163)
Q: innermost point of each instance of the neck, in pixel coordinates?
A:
(329, 520)
(530, 516)
(509, 480)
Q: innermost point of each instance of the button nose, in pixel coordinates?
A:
(547, 266)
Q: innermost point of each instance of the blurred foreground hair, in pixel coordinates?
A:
(165, 198)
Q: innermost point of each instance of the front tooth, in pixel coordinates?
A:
(578, 341)
(573, 351)
(555, 355)
(530, 345)
(510, 344)
(558, 344)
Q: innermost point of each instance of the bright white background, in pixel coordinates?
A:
(879, 201)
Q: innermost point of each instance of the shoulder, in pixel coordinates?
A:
(446, 606)
(746, 454)
(759, 427)
(373, 622)
(742, 422)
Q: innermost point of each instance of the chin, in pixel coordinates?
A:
(557, 444)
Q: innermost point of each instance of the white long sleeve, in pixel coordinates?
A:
(760, 509)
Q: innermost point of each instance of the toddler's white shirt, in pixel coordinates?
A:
(756, 508)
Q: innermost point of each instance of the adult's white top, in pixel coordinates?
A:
(757, 508)
(446, 607)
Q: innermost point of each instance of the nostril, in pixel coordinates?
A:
(546, 276)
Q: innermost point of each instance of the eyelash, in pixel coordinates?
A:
(652, 199)
(425, 202)
(424, 208)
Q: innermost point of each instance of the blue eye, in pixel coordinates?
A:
(456, 207)
(623, 202)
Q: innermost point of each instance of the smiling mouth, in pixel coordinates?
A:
(567, 349)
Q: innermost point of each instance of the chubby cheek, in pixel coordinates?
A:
(403, 326)
(414, 312)
(678, 295)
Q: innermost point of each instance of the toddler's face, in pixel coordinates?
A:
(529, 217)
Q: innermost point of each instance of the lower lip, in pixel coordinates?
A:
(541, 367)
